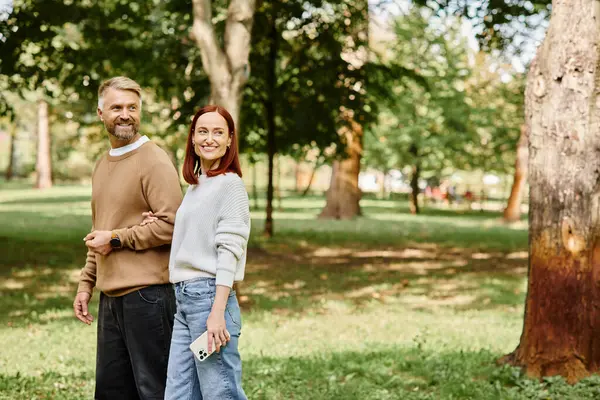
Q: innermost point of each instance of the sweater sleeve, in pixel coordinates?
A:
(87, 279)
(233, 231)
(160, 185)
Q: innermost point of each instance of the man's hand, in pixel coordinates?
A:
(99, 242)
(149, 217)
(80, 306)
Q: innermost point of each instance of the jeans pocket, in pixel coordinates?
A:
(198, 292)
(233, 311)
(150, 294)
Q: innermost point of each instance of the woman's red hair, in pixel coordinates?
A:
(230, 162)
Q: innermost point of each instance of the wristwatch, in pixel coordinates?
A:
(115, 241)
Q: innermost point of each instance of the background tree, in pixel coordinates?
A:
(343, 195)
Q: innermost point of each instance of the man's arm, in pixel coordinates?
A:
(87, 279)
(163, 194)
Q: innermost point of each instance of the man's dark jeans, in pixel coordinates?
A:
(134, 336)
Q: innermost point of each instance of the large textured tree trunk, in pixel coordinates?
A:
(44, 160)
(343, 196)
(561, 332)
(12, 155)
(227, 68)
(512, 212)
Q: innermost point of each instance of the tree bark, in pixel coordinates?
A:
(414, 181)
(271, 113)
(44, 159)
(562, 308)
(512, 212)
(343, 196)
(228, 67)
(10, 170)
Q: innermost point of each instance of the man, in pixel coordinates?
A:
(126, 261)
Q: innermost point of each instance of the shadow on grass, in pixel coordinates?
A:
(38, 279)
(422, 278)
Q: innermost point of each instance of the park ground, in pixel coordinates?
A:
(387, 306)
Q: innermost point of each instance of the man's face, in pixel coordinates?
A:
(121, 113)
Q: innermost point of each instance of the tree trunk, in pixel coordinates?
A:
(562, 309)
(414, 181)
(343, 196)
(228, 67)
(271, 113)
(10, 170)
(312, 177)
(44, 160)
(512, 212)
(254, 188)
(278, 187)
(382, 189)
(297, 175)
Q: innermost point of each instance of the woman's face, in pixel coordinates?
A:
(211, 136)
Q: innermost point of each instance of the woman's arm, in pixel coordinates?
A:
(216, 326)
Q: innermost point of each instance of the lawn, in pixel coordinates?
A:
(388, 306)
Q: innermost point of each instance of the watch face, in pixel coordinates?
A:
(115, 242)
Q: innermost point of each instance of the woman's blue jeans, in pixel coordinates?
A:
(219, 377)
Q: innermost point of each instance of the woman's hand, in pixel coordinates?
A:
(217, 330)
(148, 218)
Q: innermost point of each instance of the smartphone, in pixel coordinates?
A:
(200, 347)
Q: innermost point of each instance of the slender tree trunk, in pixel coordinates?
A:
(297, 175)
(254, 186)
(512, 212)
(44, 159)
(343, 196)
(10, 170)
(227, 67)
(382, 189)
(562, 309)
(278, 188)
(414, 185)
(414, 181)
(312, 178)
(271, 113)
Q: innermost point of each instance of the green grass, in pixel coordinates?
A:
(387, 306)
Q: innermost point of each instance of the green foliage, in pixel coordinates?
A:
(427, 119)
(460, 110)
(314, 73)
(500, 24)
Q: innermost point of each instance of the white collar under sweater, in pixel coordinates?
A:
(212, 227)
(119, 151)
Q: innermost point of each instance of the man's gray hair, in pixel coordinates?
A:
(121, 83)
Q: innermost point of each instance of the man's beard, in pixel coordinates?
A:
(122, 133)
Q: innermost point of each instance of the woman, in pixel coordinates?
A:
(208, 254)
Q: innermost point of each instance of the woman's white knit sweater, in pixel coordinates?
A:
(211, 233)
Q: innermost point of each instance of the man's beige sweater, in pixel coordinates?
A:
(123, 187)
